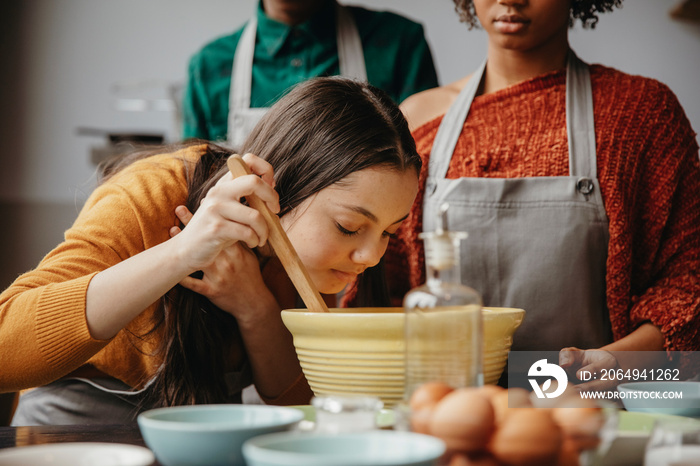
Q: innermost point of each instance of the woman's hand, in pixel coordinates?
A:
(577, 362)
(643, 349)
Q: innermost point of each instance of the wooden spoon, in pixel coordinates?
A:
(281, 244)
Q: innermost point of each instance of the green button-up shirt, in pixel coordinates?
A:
(397, 58)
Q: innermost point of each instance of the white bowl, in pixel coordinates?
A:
(370, 448)
(210, 434)
(643, 397)
(77, 453)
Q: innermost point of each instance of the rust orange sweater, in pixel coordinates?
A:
(43, 328)
(650, 180)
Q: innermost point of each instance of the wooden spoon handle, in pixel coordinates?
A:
(281, 244)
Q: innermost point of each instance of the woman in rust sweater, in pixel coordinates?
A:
(578, 186)
(102, 328)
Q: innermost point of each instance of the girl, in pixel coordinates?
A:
(104, 330)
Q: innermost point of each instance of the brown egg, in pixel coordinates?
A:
(478, 459)
(527, 437)
(569, 393)
(464, 420)
(491, 390)
(428, 394)
(508, 400)
(423, 402)
(420, 420)
(581, 421)
(568, 454)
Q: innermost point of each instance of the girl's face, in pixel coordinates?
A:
(345, 228)
(524, 25)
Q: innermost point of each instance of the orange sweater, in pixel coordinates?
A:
(43, 328)
(650, 180)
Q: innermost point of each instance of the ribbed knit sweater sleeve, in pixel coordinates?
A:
(43, 328)
(648, 167)
(654, 265)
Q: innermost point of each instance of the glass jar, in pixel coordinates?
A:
(444, 326)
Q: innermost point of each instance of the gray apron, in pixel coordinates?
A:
(99, 401)
(241, 117)
(536, 243)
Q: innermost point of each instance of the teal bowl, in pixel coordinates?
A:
(210, 434)
(655, 397)
(371, 448)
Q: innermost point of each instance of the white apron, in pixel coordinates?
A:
(536, 243)
(241, 117)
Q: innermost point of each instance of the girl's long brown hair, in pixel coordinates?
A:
(322, 131)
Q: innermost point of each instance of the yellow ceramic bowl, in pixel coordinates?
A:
(361, 350)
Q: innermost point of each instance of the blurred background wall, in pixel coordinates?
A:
(110, 67)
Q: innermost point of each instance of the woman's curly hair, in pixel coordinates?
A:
(585, 10)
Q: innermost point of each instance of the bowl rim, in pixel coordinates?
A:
(647, 385)
(256, 447)
(394, 310)
(146, 419)
(138, 455)
(686, 406)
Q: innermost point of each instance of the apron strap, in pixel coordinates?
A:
(351, 57)
(450, 128)
(241, 76)
(351, 61)
(579, 124)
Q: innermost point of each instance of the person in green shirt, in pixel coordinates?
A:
(233, 79)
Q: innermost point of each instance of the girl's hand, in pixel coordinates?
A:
(233, 282)
(231, 279)
(222, 220)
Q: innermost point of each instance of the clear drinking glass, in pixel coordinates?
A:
(339, 414)
(674, 442)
